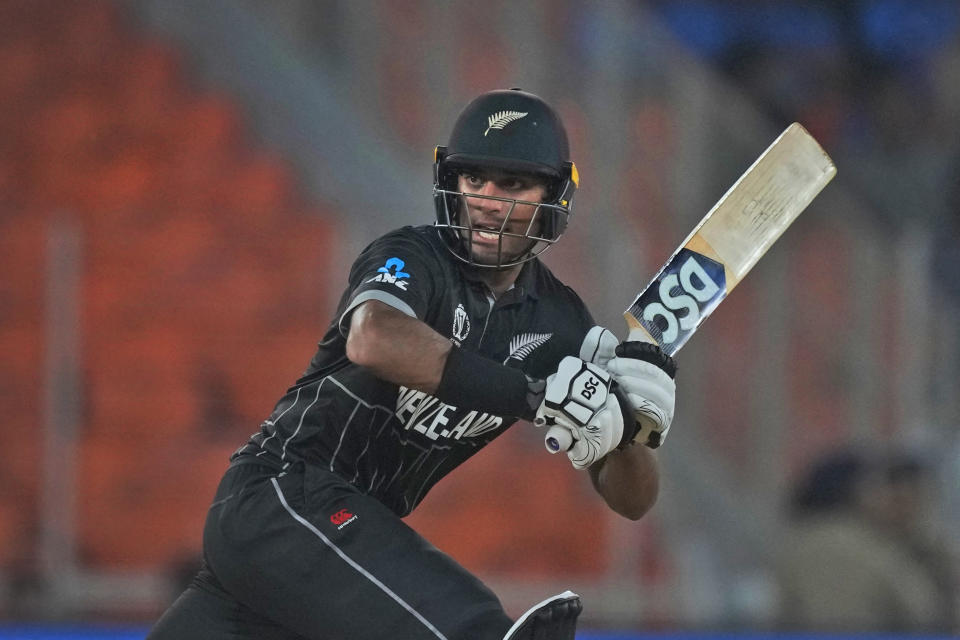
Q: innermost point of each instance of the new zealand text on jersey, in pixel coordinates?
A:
(422, 412)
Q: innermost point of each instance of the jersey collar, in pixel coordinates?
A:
(523, 287)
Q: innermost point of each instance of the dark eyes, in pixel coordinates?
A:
(507, 184)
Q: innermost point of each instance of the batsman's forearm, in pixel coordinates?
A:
(405, 351)
(396, 347)
(628, 480)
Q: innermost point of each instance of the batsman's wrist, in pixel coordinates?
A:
(472, 381)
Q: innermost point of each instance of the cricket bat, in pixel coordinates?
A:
(723, 247)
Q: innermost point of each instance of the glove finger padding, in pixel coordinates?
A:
(651, 391)
(598, 346)
(598, 438)
(578, 399)
(638, 378)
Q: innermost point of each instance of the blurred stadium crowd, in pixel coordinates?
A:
(876, 81)
(170, 260)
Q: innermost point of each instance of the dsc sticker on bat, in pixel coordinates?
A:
(685, 292)
(736, 232)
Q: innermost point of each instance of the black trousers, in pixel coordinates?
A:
(302, 554)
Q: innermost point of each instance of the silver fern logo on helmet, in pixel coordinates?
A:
(502, 118)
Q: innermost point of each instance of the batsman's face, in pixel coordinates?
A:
(502, 214)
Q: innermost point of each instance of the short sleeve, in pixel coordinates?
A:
(398, 269)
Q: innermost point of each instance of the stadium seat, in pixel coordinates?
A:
(184, 266)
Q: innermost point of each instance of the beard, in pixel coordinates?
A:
(495, 250)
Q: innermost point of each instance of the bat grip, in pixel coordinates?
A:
(558, 439)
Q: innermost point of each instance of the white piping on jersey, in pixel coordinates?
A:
(342, 434)
(421, 458)
(417, 462)
(394, 477)
(426, 480)
(407, 471)
(492, 300)
(363, 452)
(384, 483)
(376, 470)
(356, 397)
(273, 423)
(350, 561)
(377, 488)
(360, 401)
(283, 453)
(366, 447)
(303, 415)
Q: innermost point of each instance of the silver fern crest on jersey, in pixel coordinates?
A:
(502, 118)
(523, 345)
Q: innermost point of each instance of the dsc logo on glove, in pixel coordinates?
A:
(589, 388)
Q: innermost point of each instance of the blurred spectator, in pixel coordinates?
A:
(871, 87)
(860, 555)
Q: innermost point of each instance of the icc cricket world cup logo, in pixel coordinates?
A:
(461, 325)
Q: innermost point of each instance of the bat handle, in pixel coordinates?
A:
(639, 334)
(558, 439)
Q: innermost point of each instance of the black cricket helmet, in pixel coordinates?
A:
(515, 132)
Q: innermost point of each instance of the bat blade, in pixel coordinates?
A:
(730, 239)
(721, 249)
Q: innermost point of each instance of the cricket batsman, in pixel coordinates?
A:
(445, 336)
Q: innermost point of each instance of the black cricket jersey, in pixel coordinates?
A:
(395, 443)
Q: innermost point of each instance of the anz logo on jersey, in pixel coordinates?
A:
(393, 273)
(425, 414)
